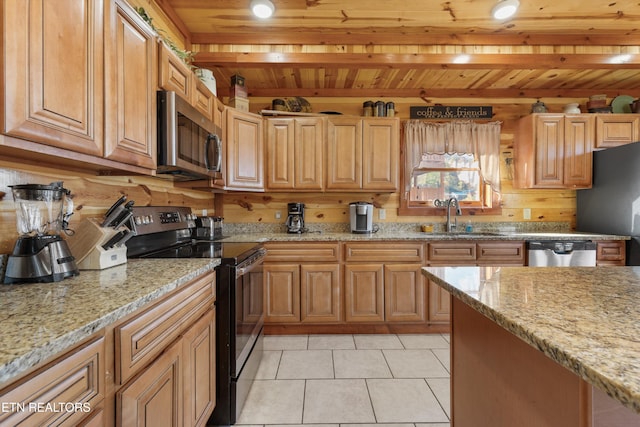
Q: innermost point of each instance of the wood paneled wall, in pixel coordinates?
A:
(92, 195)
(545, 205)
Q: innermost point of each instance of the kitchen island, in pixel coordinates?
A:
(544, 346)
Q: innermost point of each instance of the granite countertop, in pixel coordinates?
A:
(586, 319)
(40, 320)
(404, 235)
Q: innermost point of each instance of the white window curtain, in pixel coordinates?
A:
(459, 136)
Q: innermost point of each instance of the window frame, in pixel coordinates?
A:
(491, 201)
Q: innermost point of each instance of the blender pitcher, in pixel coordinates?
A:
(39, 208)
(40, 254)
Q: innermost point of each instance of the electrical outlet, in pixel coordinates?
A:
(382, 214)
(278, 214)
(526, 213)
(204, 212)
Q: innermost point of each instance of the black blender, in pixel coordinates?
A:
(40, 254)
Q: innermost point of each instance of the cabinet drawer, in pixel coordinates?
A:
(142, 338)
(302, 252)
(452, 251)
(75, 379)
(611, 251)
(501, 252)
(384, 252)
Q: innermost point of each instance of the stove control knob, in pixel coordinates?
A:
(138, 220)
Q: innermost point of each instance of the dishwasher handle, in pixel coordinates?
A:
(562, 247)
(561, 253)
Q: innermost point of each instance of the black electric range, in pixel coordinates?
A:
(170, 232)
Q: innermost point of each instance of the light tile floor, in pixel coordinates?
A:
(343, 380)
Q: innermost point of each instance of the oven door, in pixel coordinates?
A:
(249, 316)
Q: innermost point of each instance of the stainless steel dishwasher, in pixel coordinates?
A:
(561, 253)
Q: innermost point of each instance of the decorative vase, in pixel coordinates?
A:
(572, 109)
(538, 107)
(206, 76)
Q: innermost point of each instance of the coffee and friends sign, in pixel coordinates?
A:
(442, 112)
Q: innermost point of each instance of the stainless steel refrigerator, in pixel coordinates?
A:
(612, 205)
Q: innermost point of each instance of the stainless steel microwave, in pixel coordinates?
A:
(189, 144)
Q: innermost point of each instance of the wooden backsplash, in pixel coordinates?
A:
(545, 205)
(92, 195)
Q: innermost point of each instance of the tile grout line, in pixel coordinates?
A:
(438, 400)
(373, 408)
(304, 400)
(279, 363)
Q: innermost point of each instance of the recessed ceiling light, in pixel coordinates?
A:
(461, 59)
(505, 9)
(620, 59)
(262, 8)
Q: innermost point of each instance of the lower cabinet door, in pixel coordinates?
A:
(282, 293)
(404, 293)
(154, 398)
(320, 293)
(439, 304)
(199, 344)
(364, 292)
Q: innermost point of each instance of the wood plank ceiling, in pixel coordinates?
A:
(366, 48)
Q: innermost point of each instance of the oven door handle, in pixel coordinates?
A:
(251, 264)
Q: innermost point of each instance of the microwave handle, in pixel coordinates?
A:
(216, 139)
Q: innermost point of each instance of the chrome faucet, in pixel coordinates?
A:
(452, 201)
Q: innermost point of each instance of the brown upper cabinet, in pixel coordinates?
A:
(53, 72)
(613, 130)
(362, 154)
(83, 79)
(131, 82)
(295, 149)
(554, 151)
(175, 75)
(243, 163)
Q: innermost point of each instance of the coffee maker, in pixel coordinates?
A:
(295, 218)
(361, 215)
(40, 254)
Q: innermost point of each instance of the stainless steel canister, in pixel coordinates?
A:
(390, 109)
(367, 108)
(379, 110)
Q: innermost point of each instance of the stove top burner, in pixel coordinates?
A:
(229, 252)
(171, 232)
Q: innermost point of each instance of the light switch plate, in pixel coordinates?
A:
(526, 213)
(382, 213)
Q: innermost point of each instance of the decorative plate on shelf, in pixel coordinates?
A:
(622, 104)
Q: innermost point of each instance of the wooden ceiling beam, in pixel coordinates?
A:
(405, 61)
(421, 93)
(413, 37)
